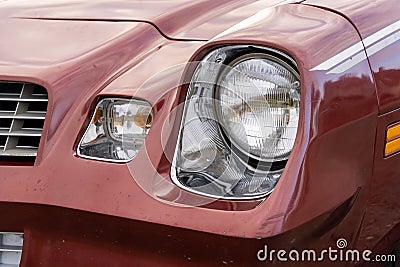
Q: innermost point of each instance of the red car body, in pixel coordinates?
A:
(338, 183)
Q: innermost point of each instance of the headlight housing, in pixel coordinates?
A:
(117, 130)
(239, 123)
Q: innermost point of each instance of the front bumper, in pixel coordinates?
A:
(55, 236)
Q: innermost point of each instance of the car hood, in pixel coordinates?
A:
(41, 44)
(185, 19)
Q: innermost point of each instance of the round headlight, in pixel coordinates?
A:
(239, 123)
(258, 106)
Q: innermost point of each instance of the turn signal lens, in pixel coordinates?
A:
(117, 130)
(392, 139)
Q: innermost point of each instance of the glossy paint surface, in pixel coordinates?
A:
(371, 17)
(380, 228)
(28, 48)
(77, 238)
(50, 182)
(321, 196)
(184, 19)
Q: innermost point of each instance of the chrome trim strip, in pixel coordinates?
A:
(355, 54)
(338, 58)
(383, 43)
(382, 33)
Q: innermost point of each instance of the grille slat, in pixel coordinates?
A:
(22, 132)
(22, 116)
(33, 98)
(21, 152)
(11, 249)
(23, 109)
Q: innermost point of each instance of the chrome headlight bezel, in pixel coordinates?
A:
(271, 169)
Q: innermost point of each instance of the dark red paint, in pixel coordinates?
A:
(79, 212)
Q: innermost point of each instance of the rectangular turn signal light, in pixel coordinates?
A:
(392, 144)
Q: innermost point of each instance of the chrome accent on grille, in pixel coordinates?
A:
(10, 249)
(23, 109)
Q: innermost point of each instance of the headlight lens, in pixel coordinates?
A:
(117, 130)
(239, 123)
(259, 106)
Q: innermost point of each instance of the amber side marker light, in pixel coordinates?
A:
(392, 139)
